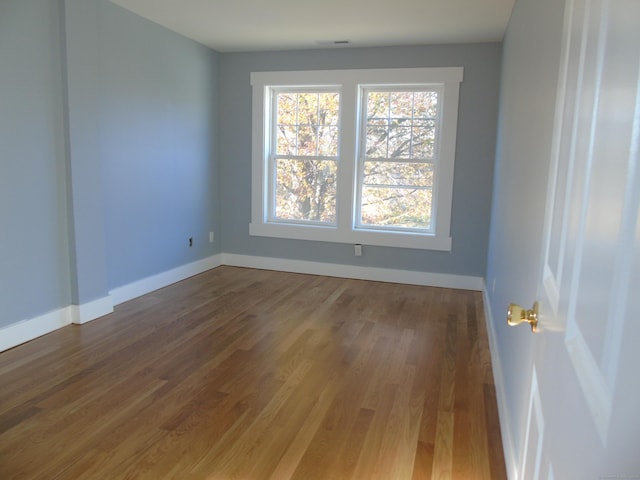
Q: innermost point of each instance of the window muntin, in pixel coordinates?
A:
(398, 156)
(303, 155)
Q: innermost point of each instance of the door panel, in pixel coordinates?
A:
(535, 433)
(591, 234)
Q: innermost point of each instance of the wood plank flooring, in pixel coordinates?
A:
(248, 374)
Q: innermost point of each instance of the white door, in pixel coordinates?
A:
(583, 420)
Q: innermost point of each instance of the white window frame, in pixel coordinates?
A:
(350, 83)
(362, 160)
(272, 154)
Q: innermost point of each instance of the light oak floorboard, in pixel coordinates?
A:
(251, 374)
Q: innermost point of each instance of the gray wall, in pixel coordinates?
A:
(85, 199)
(531, 56)
(108, 152)
(475, 152)
(34, 255)
(158, 146)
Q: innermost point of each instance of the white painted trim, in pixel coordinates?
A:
(331, 233)
(510, 454)
(90, 311)
(410, 277)
(21, 332)
(160, 280)
(24, 331)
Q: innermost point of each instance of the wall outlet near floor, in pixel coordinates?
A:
(357, 249)
(210, 237)
(190, 241)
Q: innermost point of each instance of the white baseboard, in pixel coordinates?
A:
(90, 311)
(508, 446)
(155, 282)
(26, 330)
(462, 282)
(21, 332)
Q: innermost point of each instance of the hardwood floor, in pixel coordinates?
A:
(249, 374)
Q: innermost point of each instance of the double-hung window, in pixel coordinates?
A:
(397, 158)
(303, 155)
(355, 156)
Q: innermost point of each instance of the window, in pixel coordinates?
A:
(303, 158)
(355, 156)
(397, 158)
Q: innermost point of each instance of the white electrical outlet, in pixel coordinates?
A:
(357, 249)
(210, 237)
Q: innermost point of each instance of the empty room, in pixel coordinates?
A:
(319, 240)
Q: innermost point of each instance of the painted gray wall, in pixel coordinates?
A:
(85, 198)
(108, 152)
(34, 255)
(158, 146)
(475, 153)
(531, 56)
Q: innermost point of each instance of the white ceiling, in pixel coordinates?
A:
(254, 25)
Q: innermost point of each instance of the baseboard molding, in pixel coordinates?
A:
(508, 446)
(163, 279)
(26, 330)
(462, 282)
(90, 311)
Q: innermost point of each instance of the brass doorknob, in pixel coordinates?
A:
(517, 315)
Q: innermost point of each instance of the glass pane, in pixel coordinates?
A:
(377, 137)
(377, 105)
(398, 174)
(286, 140)
(425, 105)
(287, 109)
(396, 207)
(308, 108)
(401, 104)
(328, 142)
(307, 140)
(423, 141)
(306, 190)
(328, 108)
(399, 142)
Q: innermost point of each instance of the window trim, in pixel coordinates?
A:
(350, 83)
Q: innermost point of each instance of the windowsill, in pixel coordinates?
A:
(379, 238)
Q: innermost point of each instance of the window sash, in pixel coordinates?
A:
(273, 145)
(414, 122)
(275, 188)
(363, 159)
(274, 196)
